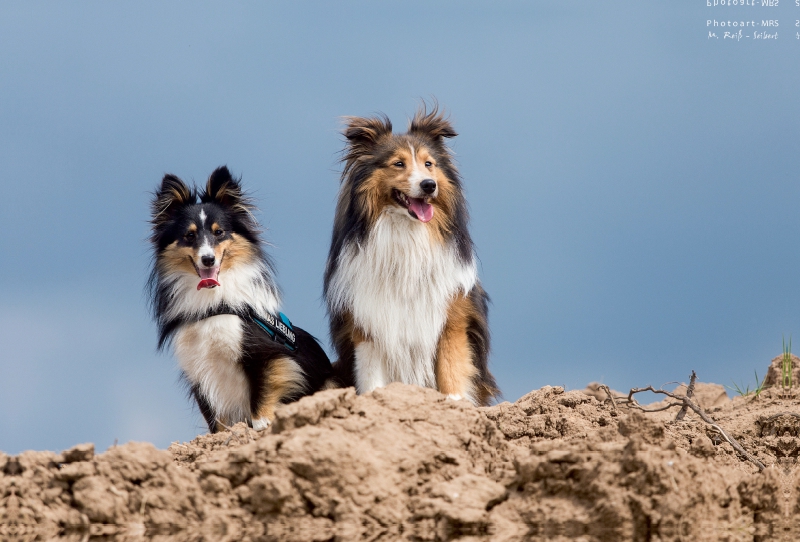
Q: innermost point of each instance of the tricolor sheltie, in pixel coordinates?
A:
(215, 299)
(401, 282)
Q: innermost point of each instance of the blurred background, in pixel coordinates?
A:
(632, 182)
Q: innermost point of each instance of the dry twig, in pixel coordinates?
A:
(685, 402)
(689, 394)
(610, 396)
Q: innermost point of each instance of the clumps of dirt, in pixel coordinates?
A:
(551, 413)
(398, 460)
(125, 488)
(405, 463)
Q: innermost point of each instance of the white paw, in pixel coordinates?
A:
(454, 396)
(261, 424)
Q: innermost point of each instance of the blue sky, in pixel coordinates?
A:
(632, 184)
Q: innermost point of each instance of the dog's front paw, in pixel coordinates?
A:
(261, 424)
(454, 396)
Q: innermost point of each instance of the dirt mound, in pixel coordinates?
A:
(405, 463)
(774, 374)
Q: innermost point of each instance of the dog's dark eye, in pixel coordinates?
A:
(218, 232)
(190, 236)
(399, 164)
(429, 164)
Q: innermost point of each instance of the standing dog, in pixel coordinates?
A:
(401, 282)
(214, 297)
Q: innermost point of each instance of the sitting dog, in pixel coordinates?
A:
(215, 299)
(401, 282)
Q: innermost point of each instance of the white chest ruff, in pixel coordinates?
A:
(398, 286)
(243, 285)
(208, 352)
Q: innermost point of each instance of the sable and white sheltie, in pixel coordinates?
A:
(215, 299)
(401, 282)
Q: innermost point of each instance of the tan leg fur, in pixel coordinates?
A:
(455, 371)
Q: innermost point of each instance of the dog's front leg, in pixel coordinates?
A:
(370, 367)
(455, 370)
(283, 377)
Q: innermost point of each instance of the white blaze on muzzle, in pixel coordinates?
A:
(208, 275)
(206, 250)
(418, 202)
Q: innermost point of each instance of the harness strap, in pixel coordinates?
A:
(279, 328)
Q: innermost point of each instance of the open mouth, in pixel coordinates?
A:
(208, 276)
(419, 208)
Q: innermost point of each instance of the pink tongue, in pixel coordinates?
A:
(207, 283)
(208, 278)
(424, 211)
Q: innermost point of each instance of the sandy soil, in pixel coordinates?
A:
(404, 463)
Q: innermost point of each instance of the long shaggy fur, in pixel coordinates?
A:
(403, 295)
(210, 279)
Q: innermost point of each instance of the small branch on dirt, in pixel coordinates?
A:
(239, 438)
(610, 396)
(660, 409)
(686, 402)
(689, 394)
(233, 434)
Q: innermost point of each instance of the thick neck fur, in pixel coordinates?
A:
(397, 283)
(176, 298)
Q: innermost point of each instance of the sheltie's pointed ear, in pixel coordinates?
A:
(364, 133)
(222, 188)
(169, 198)
(432, 124)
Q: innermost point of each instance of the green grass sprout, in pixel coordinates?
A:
(744, 391)
(786, 365)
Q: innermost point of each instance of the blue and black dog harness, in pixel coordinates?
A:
(278, 328)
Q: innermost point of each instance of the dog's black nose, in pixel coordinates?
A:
(428, 186)
(208, 261)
